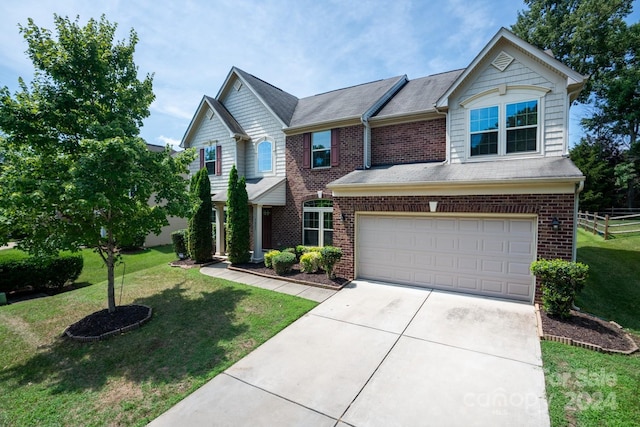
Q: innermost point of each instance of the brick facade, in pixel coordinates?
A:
(551, 244)
(416, 142)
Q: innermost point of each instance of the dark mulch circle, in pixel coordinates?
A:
(102, 324)
(295, 274)
(587, 329)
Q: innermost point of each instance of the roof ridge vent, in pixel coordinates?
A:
(502, 61)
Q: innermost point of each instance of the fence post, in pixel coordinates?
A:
(595, 222)
(586, 220)
(606, 227)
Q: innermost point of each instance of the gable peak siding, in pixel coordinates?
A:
(258, 122)
(522, 71)
(416, 142)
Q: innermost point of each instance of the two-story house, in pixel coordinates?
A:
(454, 181)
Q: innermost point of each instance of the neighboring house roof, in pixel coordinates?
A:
(158, 148)
(343, 105)
(418, 96)
(258, 189)
(281, 103)
(574, 80)
(481, 173)
(227, 120)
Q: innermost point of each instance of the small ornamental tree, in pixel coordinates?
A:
(200, 239)
(237, 219)
(74, 172)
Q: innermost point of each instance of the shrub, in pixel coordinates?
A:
(238, 226)
(310, 262)
(39, 273)
(561, 281)
(199, 236)
(283, 262)
(268, 257)
(330, 257)
(132, 242)
(179, 240)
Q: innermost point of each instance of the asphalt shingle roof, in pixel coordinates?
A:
(419, 95)
(225, 116)
(256, 187)
(341, 104)
(520, 169)
(281, 103)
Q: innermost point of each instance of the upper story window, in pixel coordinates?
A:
(210, 157)
(321, 149)
(265, 156)
(505, 121)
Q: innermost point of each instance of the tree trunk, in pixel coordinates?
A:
(111, 296)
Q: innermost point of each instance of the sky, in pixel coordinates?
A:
(304, 47)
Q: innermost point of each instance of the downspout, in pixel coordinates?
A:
(574, 250)
(373, 110)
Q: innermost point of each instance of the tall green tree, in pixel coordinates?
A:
(200, 230)
(75, 173)
(238, 233)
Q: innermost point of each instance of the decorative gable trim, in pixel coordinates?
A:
(502, 61)
(503, 90)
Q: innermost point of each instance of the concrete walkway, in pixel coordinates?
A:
(383, 355)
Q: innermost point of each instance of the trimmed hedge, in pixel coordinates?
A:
(330, 257)
(39, 273)
(268, 258)
(283, 262)
(561, 281)
(310, 262)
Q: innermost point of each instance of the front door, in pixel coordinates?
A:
(266, 229)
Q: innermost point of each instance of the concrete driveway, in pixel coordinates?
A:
(383, 355)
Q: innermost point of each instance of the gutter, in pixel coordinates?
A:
(371, 111)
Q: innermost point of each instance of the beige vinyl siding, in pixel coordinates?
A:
(213, 132)
(522, 71)
(258, 122)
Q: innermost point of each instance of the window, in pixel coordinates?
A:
(522, 126)
(265, 162)
(317, 223)
(518, 133)
(483, 124)
(210, 159)
(321, 149)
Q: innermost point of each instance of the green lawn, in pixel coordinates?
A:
(585, 388)
(200, 326)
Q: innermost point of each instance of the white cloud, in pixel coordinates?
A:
(174, 143)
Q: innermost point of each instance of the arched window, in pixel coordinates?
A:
(317, 223)
(265, 156)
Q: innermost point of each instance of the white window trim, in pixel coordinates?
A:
(500, 97)
(273, 155)
(215, 157)
(321, 228)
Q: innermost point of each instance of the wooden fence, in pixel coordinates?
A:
(609, 225)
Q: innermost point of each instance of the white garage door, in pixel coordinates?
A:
(485, 256)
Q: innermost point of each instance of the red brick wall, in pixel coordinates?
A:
(303, 184)
(423, 141)
(551, 244)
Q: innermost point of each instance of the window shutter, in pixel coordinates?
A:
(201, 158)
(335, 147)
(306, 148)
(218, 159)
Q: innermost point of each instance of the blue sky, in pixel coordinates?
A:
(301, 46)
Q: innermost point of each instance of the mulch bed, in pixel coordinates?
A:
(587, 331)
(102, 324)
(295, 275)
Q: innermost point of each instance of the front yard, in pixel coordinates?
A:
(585, 388)
(200, 326)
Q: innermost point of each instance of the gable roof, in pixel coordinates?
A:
(345, 104)
(575, 80)
(227, 120)
(280, 103)
(418, 96)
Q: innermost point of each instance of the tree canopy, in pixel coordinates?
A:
(75, 173)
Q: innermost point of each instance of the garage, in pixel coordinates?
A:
(487, 256)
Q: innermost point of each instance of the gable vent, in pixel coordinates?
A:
(237, 84)
(210, 114)
(502, 61)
